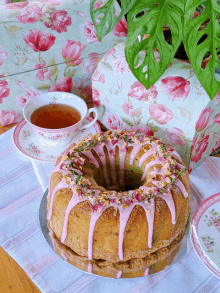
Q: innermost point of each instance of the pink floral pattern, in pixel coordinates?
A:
(98, 5)
(216, 119)
(217, 99)
(175, 136)
(160, 113)
(203, 119)
(30, 14)
(8, 117)
(27, 95)
(127, 107)
(121, 65)
(215, 146)
(17, 5)
(208, 242)
(43, 74)
(140, 93)
(89, 66)
(34, 150)
(121, 28)
(176, 87)
(39, 40)
(86, 92)
(3, 55)
(113, 121)
(62, 85)
(199, 146)
(98, 77)
(95, 97)
(4, 90)
(213, 219)
(60, 21)
(72, 51)
(88, 31)
(143, 129)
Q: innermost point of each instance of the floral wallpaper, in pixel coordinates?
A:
(48, 46)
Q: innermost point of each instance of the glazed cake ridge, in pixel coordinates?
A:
(71, 166)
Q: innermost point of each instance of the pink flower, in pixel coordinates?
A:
(3, 55)
(39, 40)
(113, 121)
(97, 77)
(17, 5)
(126, 107)
(203, 119)
(216, 224)
(175, 136)
(4, 90)
(160, 113)
(215, 146)
(198, 148)
(81, 14)
(43, 74)
(121, 28)
(27, 95)
(60, 21)
(21, 84)
(190, 169)
(97, 5)
(88, 31)
(143, 129)
(121, 65)
(176, 87)
(72, 51)
(62, 85)
(216, 119)
(217, 99)
(86, 93)
(95, 97)
(111, 52)
(89, 66)
(8, 117)
(139, 92)
(30, 14)
(207, 244)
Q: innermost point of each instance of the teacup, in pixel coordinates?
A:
(61, 136)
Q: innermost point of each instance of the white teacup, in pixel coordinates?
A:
(62, 136)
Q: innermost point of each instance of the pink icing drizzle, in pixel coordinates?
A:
(89, 268)
(91, 158)
(146, 272)
(181, 187)
(150, 164)
(119, 274)
(169, 201)
(134, 152)
(100, 151)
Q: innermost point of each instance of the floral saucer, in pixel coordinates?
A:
(205, 233)
(30, 144)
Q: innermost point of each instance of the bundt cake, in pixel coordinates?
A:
(119, 197)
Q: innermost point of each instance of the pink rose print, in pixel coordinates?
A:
(198, 148)
(39, 40)
(30, 14)
(216, 119)
(53, 2)
(143, 129)
(175, 136)
(139, 92)
(160, 113)
(176, 87)
(98, 5)
(60, 21)
(88, 31)
(126, 108)
(121, 65)
(81, 14)
(97, 77)
(27, 95)
(89, 66)
(95, 97)
(121, 28)
(215, 146)
(86, 93)
(3, 55)
(17, 5)
(4, 90)
(43, 74)
(190, 169)
(72, 51)
(8, 117)
(112, 51)
(113, 121)
(203, 119)
(217, 99)
(64, 84)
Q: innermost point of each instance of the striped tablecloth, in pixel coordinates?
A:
(22, 184)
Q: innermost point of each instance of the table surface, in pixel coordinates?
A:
(12, 277)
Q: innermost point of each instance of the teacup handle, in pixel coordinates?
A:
(94, 110)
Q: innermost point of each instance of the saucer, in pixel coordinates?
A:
(31, 145)
(205, 233)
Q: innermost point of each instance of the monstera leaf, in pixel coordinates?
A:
(145, 34)
(105, 18)
(202, 38)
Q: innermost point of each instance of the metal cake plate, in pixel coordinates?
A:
(89, 267)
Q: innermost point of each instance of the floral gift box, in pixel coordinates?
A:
(176, 108)
(48, 46)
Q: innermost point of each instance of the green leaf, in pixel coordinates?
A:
(43, 87)
(139, 120)
(69, 72)
(52, 61)
(106, 65)
(106, 16)
(127, 121)
(42, 60)
(155, 128)
(54, 78)
(53, 65)
(152, 23)
(196, 52)
(13, 28)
